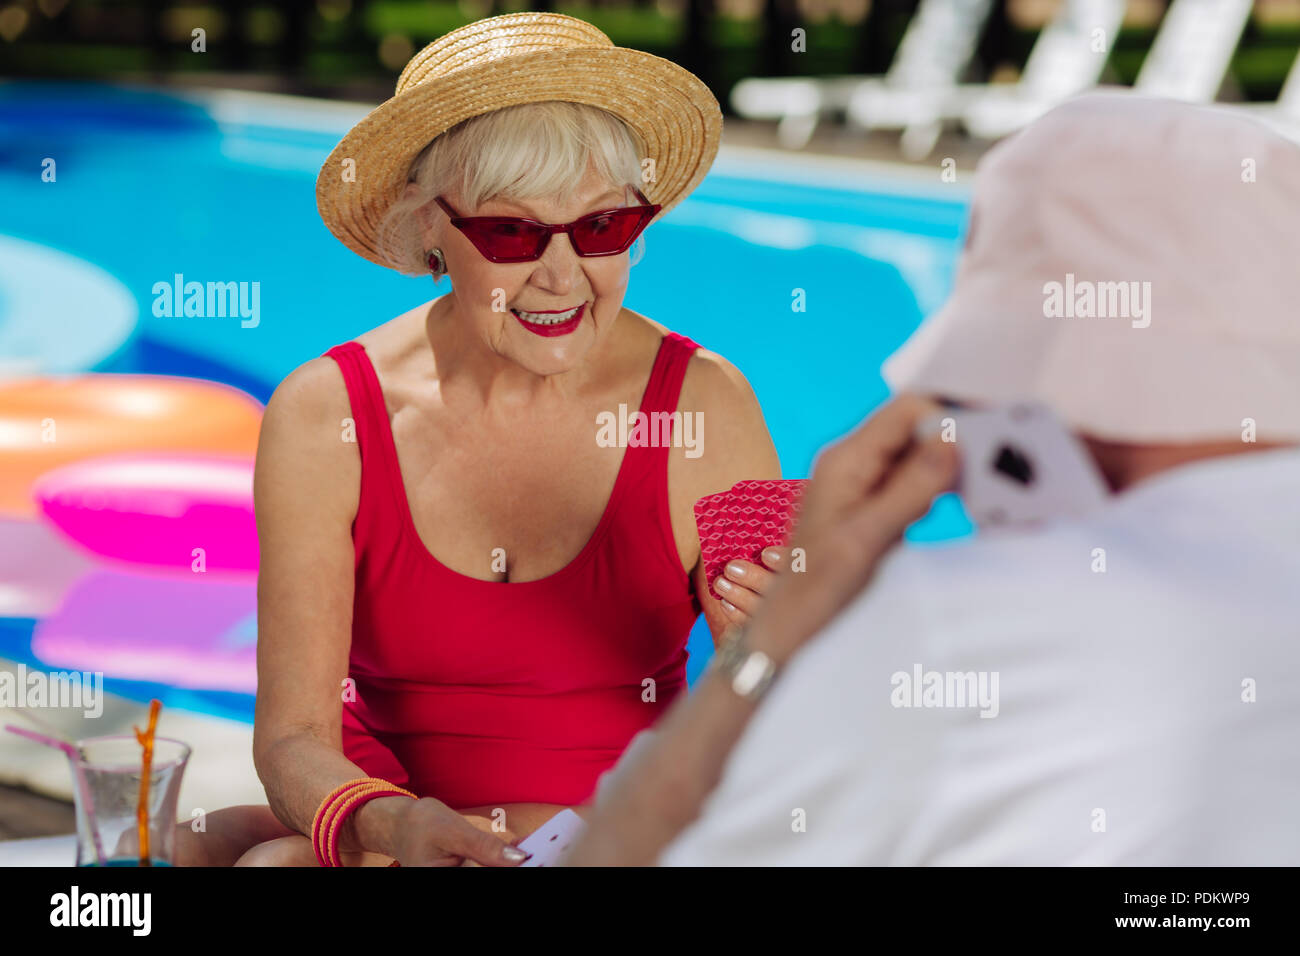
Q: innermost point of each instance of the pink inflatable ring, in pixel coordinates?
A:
(192, 513)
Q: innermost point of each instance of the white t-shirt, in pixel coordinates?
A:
(1145, 714)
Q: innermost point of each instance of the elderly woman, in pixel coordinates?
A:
(467, 595)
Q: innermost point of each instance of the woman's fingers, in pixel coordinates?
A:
(464, 839)
(433, 834)
(734, 614)
(487, 826)
(742, 585)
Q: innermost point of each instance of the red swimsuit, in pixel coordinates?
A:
(483, 692)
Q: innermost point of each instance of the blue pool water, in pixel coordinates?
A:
(219, 188)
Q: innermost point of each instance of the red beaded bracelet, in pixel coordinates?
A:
(351, 802)
(326, 807)
(337, 806)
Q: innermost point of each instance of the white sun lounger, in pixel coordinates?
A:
(935, 50)
(1192, 50)
(917, 92)
(1284, 114)
(797, 103)
(1067, 58)
(1188, 61)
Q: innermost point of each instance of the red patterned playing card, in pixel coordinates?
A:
(736, 525)
(767, 511)
(715, 520)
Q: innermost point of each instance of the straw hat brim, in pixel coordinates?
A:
(675, 114)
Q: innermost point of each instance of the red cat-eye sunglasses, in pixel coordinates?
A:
(511, 239)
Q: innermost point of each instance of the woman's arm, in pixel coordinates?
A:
(306, 487)
(733, 445)
(865, 492)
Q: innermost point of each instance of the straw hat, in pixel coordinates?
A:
(505, 61)
(1194, 209)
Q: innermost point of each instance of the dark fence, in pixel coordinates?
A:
(355, 48)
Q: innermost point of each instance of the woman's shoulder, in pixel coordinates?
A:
(316, 391)
(730, 437)
(312, 393)
(299, 451)
(709, 376)
(713, 383)
(716, 388)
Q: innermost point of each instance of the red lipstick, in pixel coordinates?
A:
(559, 328)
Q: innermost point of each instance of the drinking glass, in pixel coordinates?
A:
(106, 788)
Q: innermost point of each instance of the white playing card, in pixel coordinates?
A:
(1020, 465)
(549, 841)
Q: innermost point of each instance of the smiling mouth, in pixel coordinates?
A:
(547, 318)
(551, 323)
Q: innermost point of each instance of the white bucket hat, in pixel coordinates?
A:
(1135, 264)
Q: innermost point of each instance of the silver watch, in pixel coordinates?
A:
(749, 672)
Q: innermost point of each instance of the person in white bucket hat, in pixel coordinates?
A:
(1133, 673)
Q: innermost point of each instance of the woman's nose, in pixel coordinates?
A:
(559, 267)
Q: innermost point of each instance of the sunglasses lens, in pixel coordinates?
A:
(607, 233)
(505, 240)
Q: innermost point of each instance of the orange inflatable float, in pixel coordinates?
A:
(48, 422)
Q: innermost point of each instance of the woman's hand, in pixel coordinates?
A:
(427, 832)
(513, 822)
(487, 825)
(865, 490)
(742, 584)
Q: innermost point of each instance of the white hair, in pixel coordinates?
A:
(517, 152)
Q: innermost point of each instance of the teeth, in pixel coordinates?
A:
(547, 318)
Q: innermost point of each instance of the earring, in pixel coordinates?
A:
(437, 263)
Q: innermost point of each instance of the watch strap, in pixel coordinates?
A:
(748, 672)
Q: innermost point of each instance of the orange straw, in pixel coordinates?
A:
(142, 808)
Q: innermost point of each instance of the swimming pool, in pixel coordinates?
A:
(218, 187)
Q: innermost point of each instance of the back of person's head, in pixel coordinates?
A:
(1131, 262)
